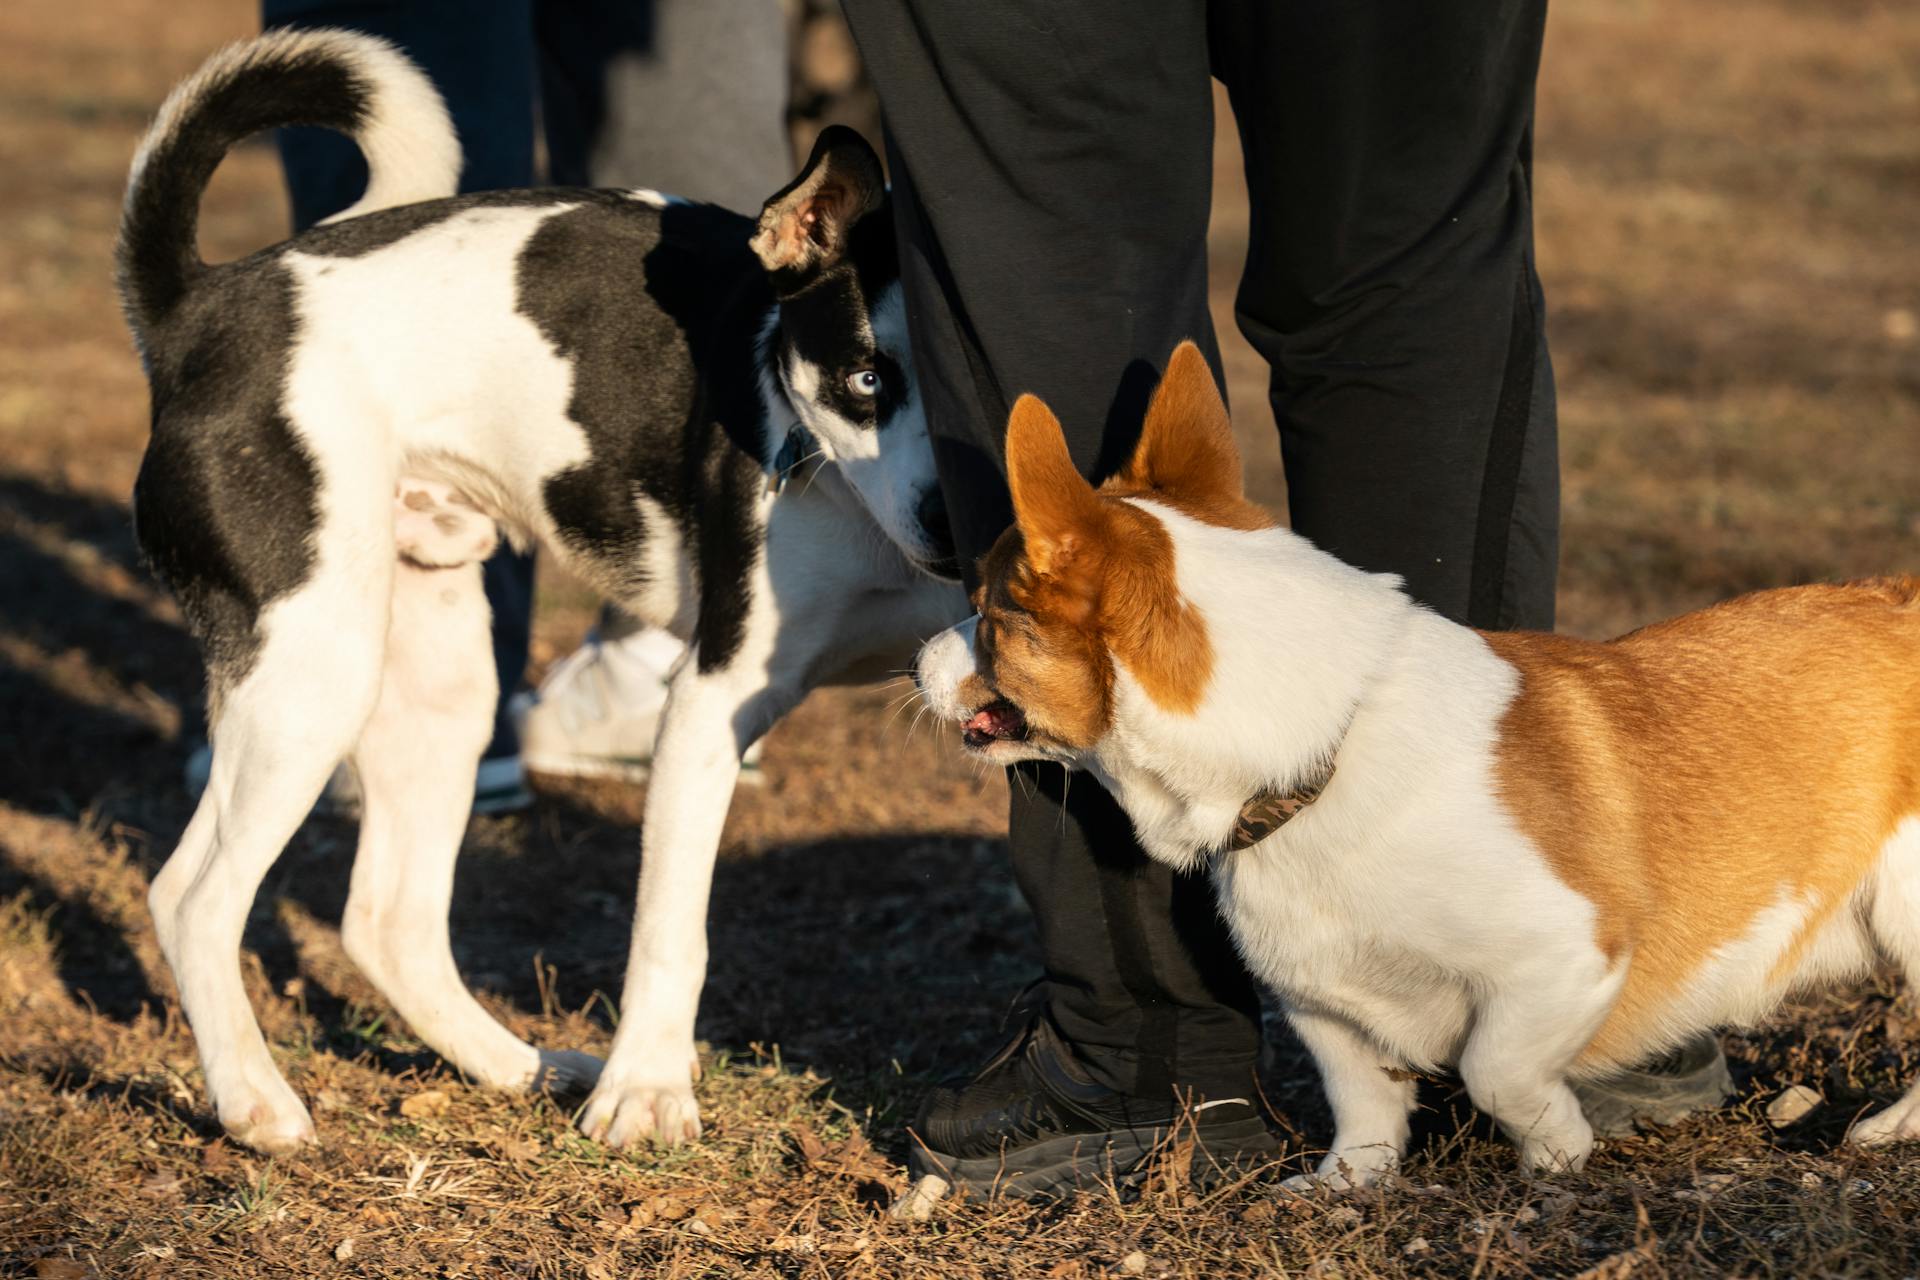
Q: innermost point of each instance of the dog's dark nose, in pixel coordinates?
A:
(932, 514)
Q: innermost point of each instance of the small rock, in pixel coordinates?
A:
(1792, 1104)
(426, 1103)
(1134, 1264)
(917, 1204)
(1416, 1246)
(1526, 1213)
(343, 1250)
(699, 1226)
(1811, 1180)
(1859, 1187)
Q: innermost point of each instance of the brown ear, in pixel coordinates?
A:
(1186, 448)
(803, 227)
(1053, 504)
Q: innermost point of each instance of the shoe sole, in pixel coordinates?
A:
(613, 770)
(1123, 1158)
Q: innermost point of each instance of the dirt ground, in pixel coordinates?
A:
(1728, 206)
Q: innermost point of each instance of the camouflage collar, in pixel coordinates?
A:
(1271, 810)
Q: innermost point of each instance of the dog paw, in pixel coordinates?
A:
(1566, 1154)
(1897, 1123)
(276, 1127)
(1344, 1171)
(626, 1114)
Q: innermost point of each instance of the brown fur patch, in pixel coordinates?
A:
(1083, 580)
(1187, 456)
(1086, 579)
(1686, 776)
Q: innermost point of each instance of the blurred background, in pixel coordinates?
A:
(1728, 221)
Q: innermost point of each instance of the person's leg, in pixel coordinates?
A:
(686, 97)
(1051, 174)
(1390, 284)
(480, 58)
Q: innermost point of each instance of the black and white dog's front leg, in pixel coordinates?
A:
(645, 1091)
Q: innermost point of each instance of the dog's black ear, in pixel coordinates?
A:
(804, 227)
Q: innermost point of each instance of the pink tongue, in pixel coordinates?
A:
(995, 722)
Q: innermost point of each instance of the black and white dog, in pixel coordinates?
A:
(343, 422)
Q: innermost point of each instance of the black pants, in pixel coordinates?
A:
(481, 59)
(1052, 166)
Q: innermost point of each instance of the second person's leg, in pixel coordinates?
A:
(1051, 166)
(480, 59)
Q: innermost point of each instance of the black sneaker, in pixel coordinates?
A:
(1031, 1124)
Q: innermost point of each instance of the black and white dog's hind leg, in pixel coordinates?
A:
(416, 759)
(292, 688)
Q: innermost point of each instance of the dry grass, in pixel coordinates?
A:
(1727, 197)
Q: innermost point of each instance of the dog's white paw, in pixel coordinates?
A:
(275, 1123)
(1345, 1170)
(623, 1114)
(1564, 1153)
(1897, 1123)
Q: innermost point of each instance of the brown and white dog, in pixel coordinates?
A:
(1529, 857)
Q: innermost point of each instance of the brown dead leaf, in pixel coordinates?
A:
(216, 1157)
(1619, 1266)
(162, 1185)
(670, 1207)
(425, 1105)
(63, 1269)
(809, 1144)
(520, 1150)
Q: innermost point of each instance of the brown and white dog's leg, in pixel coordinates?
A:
(416, 760)
(1895, 921)
(1371, 1099)
(1525, 1037)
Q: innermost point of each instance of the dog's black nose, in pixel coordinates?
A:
(932, 514)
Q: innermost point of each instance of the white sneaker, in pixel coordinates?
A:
(597, 713)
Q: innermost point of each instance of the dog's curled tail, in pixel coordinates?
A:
(356, 84)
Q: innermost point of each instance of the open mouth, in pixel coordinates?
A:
(998, 721)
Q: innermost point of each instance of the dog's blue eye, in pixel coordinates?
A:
(864, 382)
